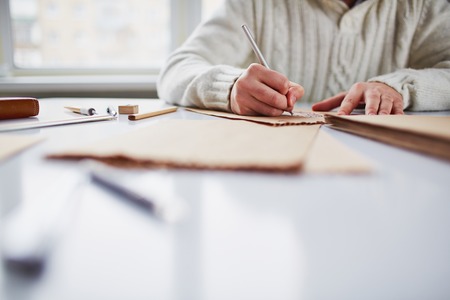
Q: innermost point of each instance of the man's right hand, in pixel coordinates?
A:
(261, 91)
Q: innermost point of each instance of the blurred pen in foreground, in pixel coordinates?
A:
(168, 209)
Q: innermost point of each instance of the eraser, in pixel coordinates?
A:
(128, 109)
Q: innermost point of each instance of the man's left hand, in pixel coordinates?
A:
(378, 98)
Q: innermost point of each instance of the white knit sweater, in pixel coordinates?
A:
(322, 45)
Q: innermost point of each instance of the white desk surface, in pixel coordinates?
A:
(248, 235)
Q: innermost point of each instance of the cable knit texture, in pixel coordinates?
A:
(321, 44)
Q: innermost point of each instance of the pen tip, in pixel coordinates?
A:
(110, 110)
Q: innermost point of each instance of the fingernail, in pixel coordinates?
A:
(291, 101)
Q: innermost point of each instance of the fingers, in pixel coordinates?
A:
(242, 102)
(354, 96)
(252, 97)
(329, 103)
(373, 100)
(383, 100)
(397, 108)
(294, 93)
(387, 102)
(270, 78)
(256, 107)
(378, 97)
(262, 91)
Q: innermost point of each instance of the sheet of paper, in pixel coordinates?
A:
(299, 117)
(13, 144)
(204, 144)
(328, 155)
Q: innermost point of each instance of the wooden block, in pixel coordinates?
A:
(128, 109)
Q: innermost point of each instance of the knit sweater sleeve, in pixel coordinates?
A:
(202, 71)
(425, 85)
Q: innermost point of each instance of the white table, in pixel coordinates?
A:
(247, 236)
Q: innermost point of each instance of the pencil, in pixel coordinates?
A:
(152, 113)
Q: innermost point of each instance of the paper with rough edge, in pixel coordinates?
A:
(328, 155)
(204, 144)
(298, 118)
(13, 144)
(426, 134)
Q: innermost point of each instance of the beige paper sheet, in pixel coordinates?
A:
(328, 155)
(299, 117)
(204, 144)
(13, 144)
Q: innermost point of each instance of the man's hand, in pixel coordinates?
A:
(378, 98)
(261, 91)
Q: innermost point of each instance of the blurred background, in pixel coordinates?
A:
(91, 47)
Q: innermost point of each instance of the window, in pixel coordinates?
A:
(44, 36)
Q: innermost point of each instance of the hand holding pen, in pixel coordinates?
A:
(262, 91)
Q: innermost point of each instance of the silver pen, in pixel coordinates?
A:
(255, 48)
(111, 111)
(82, 110)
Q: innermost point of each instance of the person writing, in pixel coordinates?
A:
(389, 56)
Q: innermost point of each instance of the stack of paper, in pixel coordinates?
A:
(426, 134)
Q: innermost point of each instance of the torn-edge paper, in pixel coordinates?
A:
(298, 117)
(204, 144)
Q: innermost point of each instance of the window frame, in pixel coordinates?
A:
(184, 17)
(6, 55)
